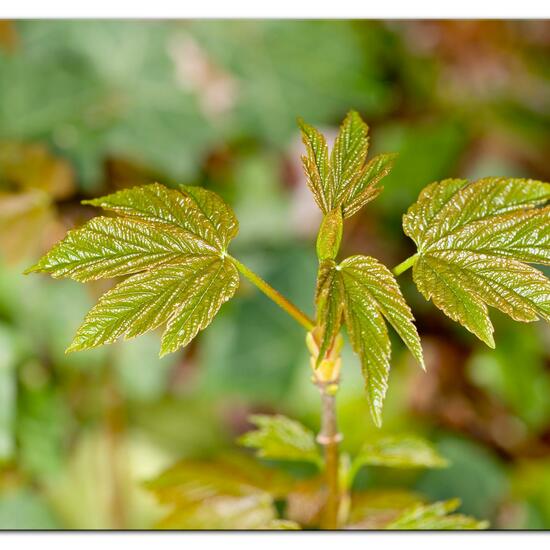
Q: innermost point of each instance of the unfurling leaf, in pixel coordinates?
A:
(436, 516)
(173, 244)
(343, 180)
(330, 235)
(369, 294)
(406, 451)
(230, 493)
(281, 438)
(329, 298)
(474, 243)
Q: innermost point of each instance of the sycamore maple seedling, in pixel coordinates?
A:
(475, 243)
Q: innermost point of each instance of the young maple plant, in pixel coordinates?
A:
(475, 241)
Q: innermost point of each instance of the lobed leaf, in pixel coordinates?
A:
(436, 516)
(185, 297)
(368, 274)
(281, 438)
(472, 241)
(406, 451)
(372, 295)
(367, 294)
(172, 243)
(344, 179)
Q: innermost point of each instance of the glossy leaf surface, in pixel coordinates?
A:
(343, 179)
(330, 305)
(372, 295)
(474, 243)
(281, 438)
(365, 293)
(172, 243)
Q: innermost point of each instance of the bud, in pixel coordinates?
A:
(328, 370)
(330, 235)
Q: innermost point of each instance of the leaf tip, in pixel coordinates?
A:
(488, 338)
(32, 269)
(73, 346)
(422, 363)
(165, 350)
(376, 415)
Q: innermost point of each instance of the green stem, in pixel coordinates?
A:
(403, 266)
(329, 439)
(277, 297)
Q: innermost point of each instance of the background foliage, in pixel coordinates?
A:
(87, 108)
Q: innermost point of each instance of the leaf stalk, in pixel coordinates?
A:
(403, 266)
(295, 312)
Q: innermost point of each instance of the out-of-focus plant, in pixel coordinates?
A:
(475, 243)
(31, 180)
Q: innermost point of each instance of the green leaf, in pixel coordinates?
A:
(407, 451)
(230, 493)
(330, 305)
(344, 179)
(185, 297)
(365, 187)
(316, 166)
(110, 247)
(435, 516)
(473, 240)
(330, 235)
(367, 294)
(281, 438)
(172, 243)
(201, 214)
(371, 294)
(348, 154)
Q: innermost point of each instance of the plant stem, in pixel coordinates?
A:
(274, 295)
(403, 266)
(329, 438)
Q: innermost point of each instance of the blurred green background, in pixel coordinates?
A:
(88, 107)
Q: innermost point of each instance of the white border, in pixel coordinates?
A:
(373, 9)
(288, 9)
(267, 541)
